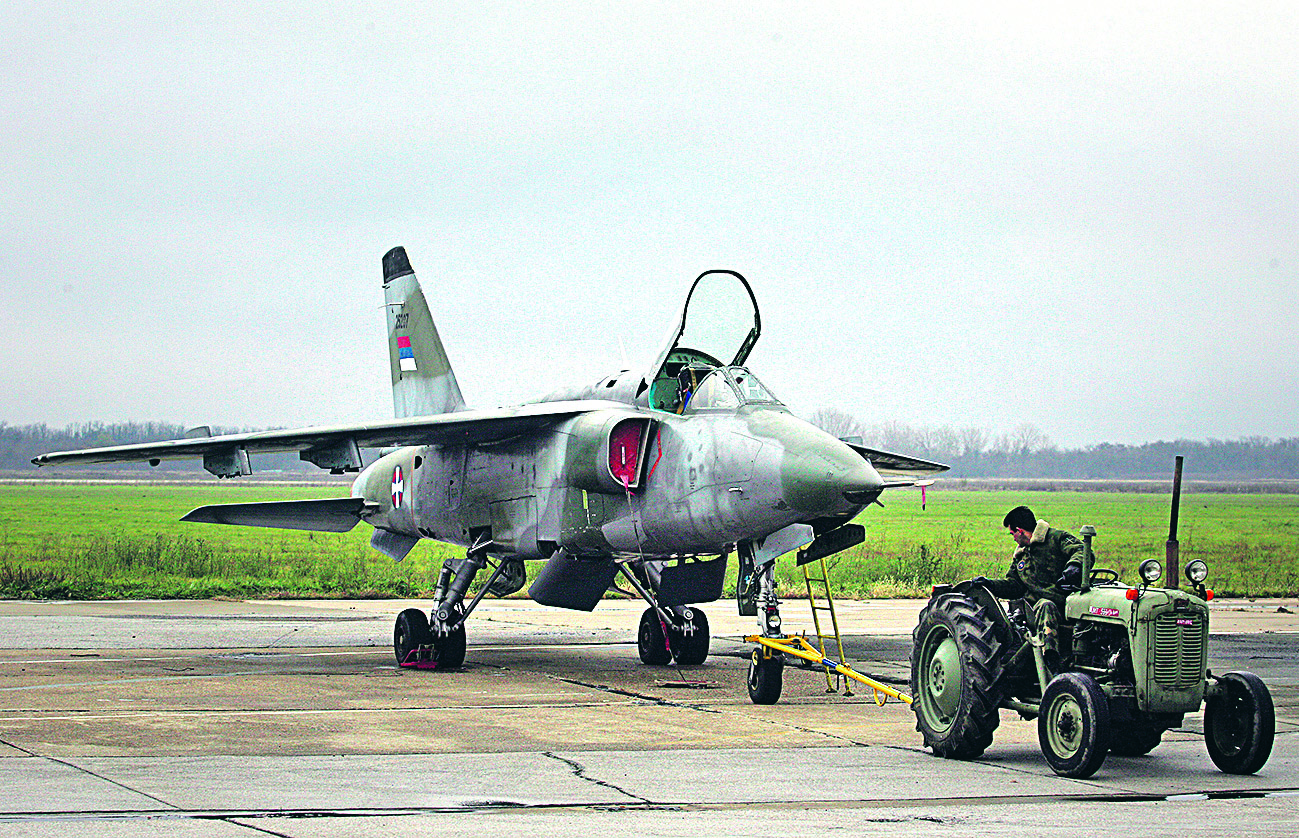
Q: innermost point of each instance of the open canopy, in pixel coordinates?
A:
(719, 326)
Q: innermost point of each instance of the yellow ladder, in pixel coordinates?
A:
(833, 678)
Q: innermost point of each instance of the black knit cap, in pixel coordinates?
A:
(1020, 518)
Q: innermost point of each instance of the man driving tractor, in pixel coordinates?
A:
(1046, 566)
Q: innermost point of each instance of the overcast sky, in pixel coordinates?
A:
(968, 214)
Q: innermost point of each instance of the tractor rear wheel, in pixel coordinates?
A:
(1135, 740)
(1240, 723)
(955, 662)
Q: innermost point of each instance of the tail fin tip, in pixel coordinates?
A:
(395, 264)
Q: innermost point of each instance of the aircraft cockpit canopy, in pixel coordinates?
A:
(727, 388)
(719, 326)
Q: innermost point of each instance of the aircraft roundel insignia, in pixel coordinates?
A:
(398, 486)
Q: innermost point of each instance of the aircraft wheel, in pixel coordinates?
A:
(410, 636)
(691, 649)
(765, 677)
(1135, 740)
(448, 651)
(1240, 723)
(650, 641)
(1073, 728)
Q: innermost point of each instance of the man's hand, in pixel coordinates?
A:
(1071, 579)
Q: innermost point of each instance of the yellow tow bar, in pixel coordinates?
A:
(798, 646)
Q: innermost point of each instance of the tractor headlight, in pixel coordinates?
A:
(1150, 571)
(1197, 571)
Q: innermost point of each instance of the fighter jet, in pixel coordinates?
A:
(657, 476)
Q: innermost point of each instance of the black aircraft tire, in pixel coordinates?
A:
(448, 651)
(955, 658)
(1135, 740)
(692, 649)
(1240, 723)
(650, 641)
(1073, 728)
(410, 636)
(766, 676)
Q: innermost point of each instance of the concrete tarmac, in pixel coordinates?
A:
(291, 718)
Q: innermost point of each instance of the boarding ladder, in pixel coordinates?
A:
(833, 678)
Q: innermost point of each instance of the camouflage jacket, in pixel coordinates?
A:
(1035, 569)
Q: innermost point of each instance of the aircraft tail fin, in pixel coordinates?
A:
(423, 383)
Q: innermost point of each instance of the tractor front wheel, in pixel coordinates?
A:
(1073, 728)
(1240, 723)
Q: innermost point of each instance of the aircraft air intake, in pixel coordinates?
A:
(610, 452)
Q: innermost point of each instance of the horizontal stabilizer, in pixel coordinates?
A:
(331, 515)
(883, 461)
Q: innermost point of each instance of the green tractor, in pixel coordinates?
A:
(1134, 662)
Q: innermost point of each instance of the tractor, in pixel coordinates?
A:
(1134, 662)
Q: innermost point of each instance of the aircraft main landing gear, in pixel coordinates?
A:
(668, 633)
(419, 642)
(685, 639)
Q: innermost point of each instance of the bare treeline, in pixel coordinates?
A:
(1027, 452)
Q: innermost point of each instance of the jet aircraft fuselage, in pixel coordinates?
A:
(658, 475)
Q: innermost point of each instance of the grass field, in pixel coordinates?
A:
(124, 541)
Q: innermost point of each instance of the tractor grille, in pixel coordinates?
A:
(1179, 649)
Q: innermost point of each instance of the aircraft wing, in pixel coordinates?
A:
(335, 446)
(888, 463)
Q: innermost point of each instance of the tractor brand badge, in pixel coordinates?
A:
(1103, 612)
(398, 486)
(1022, 564)
(1185, 621)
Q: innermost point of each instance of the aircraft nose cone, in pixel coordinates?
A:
(824, 476)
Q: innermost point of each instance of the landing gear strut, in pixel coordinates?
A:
(439, 642)
(673, 633)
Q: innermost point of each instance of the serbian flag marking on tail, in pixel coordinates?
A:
(405, 354)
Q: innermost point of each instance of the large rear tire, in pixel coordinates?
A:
(1073, 728)
(1240, 723)
(1134, 740)
(955, 661)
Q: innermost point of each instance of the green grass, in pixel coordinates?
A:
(1250, 542)
(125, 541)
(116, 541)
